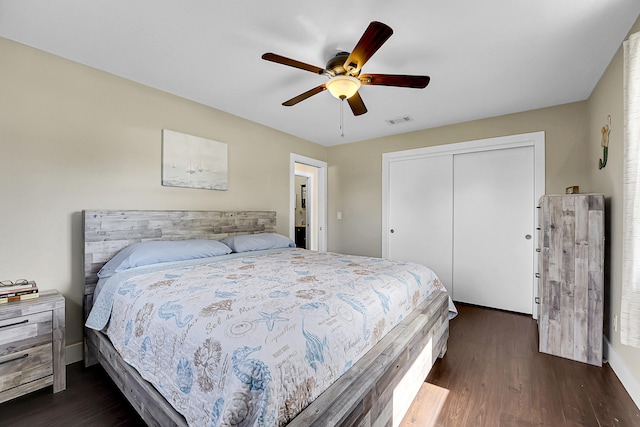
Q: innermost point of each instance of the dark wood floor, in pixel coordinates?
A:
(491, 376)
(495, 376)
(91, 399)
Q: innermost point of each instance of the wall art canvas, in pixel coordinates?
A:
(191, 161)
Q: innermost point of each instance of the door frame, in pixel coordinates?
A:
(322, 196)
(532, 139)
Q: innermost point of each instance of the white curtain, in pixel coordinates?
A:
(630, 310)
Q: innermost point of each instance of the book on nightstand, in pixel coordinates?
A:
(18, 292)
(19, 297)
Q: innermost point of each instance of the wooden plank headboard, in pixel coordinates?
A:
(107, 232)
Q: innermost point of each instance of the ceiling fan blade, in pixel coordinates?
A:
(374, 36)
(357, 105)
(417, 82)
(279, 59)
(305, 95)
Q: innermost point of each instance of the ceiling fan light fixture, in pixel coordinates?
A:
(343, 87)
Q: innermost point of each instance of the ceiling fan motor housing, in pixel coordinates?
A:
(336, 64)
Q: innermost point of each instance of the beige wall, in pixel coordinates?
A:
(355, 170)
(74, 138)
(607, 99)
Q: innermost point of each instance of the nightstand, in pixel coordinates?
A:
(32, 345)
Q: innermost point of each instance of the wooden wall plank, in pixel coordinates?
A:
(581, 302)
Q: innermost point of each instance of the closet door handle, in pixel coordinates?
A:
(528, 236)
(392, 231)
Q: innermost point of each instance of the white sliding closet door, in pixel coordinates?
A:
(467, 210)
(494, 222)
(421, 219)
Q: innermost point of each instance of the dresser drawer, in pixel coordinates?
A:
(21, 333)
(25, 366)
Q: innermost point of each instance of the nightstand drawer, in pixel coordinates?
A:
(24, 332)
(32, 345)
(25, 366)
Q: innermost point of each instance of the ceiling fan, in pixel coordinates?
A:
(344, 70)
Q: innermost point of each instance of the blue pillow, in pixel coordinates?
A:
(258, 242)
(156, 251)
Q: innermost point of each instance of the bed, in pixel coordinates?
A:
(375, 388)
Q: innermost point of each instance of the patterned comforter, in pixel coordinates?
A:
(252, 340)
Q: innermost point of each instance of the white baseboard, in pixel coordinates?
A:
(73, 353)
(629, 382)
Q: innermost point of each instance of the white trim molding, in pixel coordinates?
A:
(629, 382)
(73, 353)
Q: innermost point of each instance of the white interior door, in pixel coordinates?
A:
(420, 214)
(494, 224)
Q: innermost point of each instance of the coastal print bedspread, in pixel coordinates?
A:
(251, 341)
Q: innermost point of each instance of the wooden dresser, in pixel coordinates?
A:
(32, 345)
(571, 271)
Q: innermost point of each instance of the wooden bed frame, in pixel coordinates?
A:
(376, 391)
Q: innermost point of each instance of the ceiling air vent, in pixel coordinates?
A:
(400, 120)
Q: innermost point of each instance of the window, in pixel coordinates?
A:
(630, 304)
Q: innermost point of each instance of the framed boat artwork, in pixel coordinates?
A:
(194, 162)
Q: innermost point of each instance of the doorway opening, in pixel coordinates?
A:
(308, 202)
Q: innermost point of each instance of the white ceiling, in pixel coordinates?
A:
(485, 58)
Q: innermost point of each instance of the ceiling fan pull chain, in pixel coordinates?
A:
(342, 117)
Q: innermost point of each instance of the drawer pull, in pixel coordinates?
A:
(24, 356)
(14, 324)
